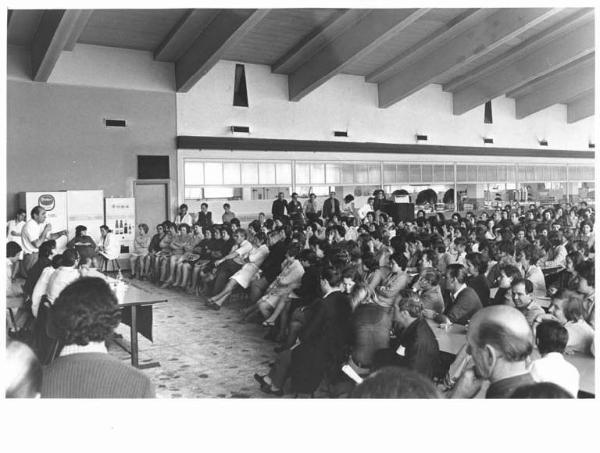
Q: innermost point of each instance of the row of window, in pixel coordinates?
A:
(198, 173)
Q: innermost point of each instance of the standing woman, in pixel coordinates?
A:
(110, 247)
(84, 244)
(348, 208)
(140, 250)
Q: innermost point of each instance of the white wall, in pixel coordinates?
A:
(99, 66)
(348, 103)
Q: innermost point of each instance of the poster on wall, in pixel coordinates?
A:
(85, 207)
(119, 215)
(55, 204)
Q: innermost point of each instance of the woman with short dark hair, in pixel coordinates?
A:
(83, 317)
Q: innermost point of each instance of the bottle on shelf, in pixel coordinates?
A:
(125, 227)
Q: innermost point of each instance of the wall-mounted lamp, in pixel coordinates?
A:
(421, 138)
(340, 133)
(488, 140)
(591, 145)
(242, 129)
(543, 142)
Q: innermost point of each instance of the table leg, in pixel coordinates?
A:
(134, 343)
(134, 339)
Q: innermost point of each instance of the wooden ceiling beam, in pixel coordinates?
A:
(53, 33)
(80, 24)
(557, 89)
(184, 33)
(371, 31)
(494, 31)
(581, 108)
(311, 43)
(573, 21)
(461, 23)
(225, 30)
(559, 52)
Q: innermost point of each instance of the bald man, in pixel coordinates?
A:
(499, 341)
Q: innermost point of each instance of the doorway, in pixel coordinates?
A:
(151, 202)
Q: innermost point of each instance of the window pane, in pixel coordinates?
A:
(461, 173)
(449, 171)
(361, 174)
(389, 173)
(332, 174)
(347, 173)
(193, 192)
(231, 173)
(374, 174)
(401, 173)
(427, 172)
(501, 170)
(218, 192)
(471, 173)
(414, 173)
(317, 173)
(438, 173)
(510, 173)
(302, 174)
(214, 172)
(249, 173)
(194, 173)
(284, 173)
(266, 173)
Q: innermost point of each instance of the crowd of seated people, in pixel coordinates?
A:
(338, 285)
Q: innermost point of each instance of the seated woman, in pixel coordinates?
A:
(373, 274)
(162, 257)
(323, 344)
(207, 270)
(110, 247)
(272, 303)
(371, 324)
(244, 276)
(396, 281)
(153, 248)
(83, 243)
(568, 308)
(178, 248)
(199, 252)
(188, 256)
(297, 310)
(476, 268)
(567, 278)
(140, 250)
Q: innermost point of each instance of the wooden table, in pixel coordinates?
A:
(134, 298)
(451, 340)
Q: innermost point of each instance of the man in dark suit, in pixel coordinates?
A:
(279, 206)
(204, 216)
(464, 301)
(415, 346)
(331, 206)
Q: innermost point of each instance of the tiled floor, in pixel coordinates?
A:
(203, 353)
